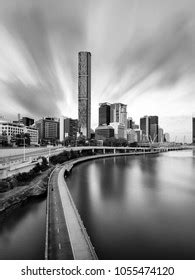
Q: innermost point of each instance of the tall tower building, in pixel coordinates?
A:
(104, 113)
(84, 93)
(153, 128)
(144, 126)
(193, 130)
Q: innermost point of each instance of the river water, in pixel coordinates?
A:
(22, 233)
(138, 207)
(134, 207)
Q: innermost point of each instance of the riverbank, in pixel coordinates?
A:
(13, 198)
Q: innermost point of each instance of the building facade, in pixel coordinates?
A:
(119, 130)
(153, 128)
(68, 128)
(131, 136)
(144, 126)
(11, 130)
(48, 130)
(193, 130)
(104, 132)
(84, 93)
(118, 114)
(104, 113)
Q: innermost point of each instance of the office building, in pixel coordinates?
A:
(193, 130)
(131, 136)
(84, 93)
(104, 132)
(160, 135)
(34, 134)
(11, 129)
(68, 128)
(118, 114)
(153, 128)
(48, 130)
(129, 122)
(119, 130)
(27, 121)
(139, 134)
(144, 126)
(104, 113)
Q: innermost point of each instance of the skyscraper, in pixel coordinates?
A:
(153, 128)
(84, 93)
(193, 130)
(118, 114)
(144, 126)
(104, 113)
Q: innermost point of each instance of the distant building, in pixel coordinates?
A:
(119, 130)
(135, 126)
(139, 135)
(131, 136)
(166, 137)
(27, 121)
(160, 135)
(144, 126)
(84, 93)
(153, 128)
(104, 132)
(118, 114)
(68, 127)
(34, 134)
(104, 113)
(11, 129)
(129, 122)
(193, 130)
(48, 129)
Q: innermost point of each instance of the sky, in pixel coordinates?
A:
(143, 55)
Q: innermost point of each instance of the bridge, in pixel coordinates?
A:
(66, 236)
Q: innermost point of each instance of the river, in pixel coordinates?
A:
(22, 233)
(134, 207)
(138, 207)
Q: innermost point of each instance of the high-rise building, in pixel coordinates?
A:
(144, 126)
(48, 129)
(160, 135)
(118, 114)
(68, 128)
(104, 113)
(129, 122)
(153, 128)
(193, 130)
(84, 93)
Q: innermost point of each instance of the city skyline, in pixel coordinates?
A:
(142, 61)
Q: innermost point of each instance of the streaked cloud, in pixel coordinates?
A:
(142, 55)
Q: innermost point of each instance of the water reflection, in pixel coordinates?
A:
(22, 233)
(138, 207)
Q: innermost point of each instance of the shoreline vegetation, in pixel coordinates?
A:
(19, 188)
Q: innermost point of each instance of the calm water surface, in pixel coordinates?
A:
(22, 234)
(138, 207)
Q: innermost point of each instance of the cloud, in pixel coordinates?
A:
(167, 53)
